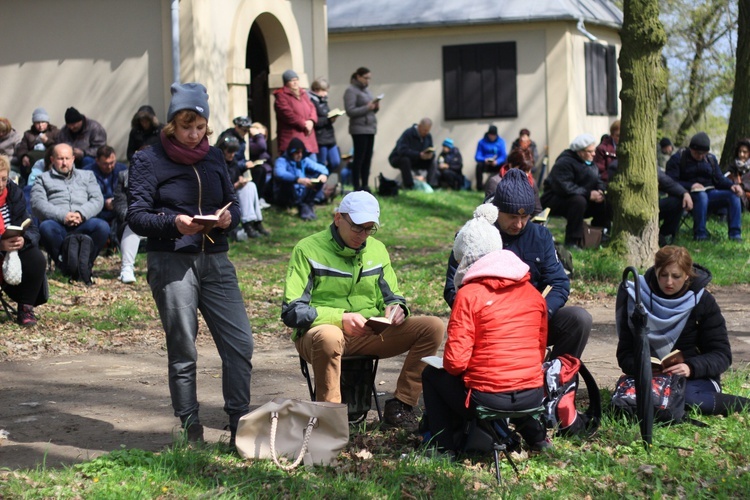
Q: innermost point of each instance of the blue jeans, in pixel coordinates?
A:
(52, 234)
(706, 201)
(183, 284)
(330, 156)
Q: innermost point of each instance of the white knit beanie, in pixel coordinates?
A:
(476, 239)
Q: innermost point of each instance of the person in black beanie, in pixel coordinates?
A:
(82, 134)
(569, 326)
(698, 171)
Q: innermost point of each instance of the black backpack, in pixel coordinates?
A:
(77, 257)
(561, 381)
(387, 187)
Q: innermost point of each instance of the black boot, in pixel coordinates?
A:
(250, 230)
(726, 404)
(258, 225)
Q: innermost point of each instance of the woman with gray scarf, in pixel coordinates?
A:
(681, 314)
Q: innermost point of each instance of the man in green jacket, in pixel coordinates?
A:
(339, 278)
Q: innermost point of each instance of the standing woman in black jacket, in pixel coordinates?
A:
(682, 315)
(188, 269)
(32, 290)
(328, 152)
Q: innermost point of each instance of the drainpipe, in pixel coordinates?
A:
(175, 41)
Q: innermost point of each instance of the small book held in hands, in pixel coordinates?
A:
(378, 98)
(209, 221)
(12, 231)
(673, 358)
(336, 112)
(431, 149)
(700, 190)
(541, 217)
(378, 323)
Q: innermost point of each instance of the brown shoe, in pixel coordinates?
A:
(400, 415)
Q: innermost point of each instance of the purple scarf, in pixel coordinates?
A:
(178, 153)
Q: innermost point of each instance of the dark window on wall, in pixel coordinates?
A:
(601, 79)
(479, 81)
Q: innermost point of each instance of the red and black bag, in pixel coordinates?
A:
(667, 397)
(560, 389)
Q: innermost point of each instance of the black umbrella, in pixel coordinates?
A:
(643, 374)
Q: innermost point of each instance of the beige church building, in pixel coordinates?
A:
(547, 65)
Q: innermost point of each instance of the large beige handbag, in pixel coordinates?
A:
(309, 431)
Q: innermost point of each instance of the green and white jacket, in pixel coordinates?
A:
(326, 278)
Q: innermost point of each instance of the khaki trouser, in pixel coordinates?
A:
(324, 345)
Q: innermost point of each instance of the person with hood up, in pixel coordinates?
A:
(497, 339)
(681, 315)
(297, 179)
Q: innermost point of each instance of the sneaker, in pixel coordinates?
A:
(400, 415)
(263, 204)
(260, 229)
(26, 316)
(127, 276)
(543, 445)
(250, 230)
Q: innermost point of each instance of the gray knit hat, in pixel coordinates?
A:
(288, 75)
(192, 96)
(476, 239)
(582, 141)
(514, 194)
(40, 115)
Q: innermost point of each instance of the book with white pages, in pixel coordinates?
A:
(434, 361)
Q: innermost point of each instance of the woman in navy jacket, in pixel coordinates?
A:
(188, 269)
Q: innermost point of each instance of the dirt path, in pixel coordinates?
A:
(67, 409)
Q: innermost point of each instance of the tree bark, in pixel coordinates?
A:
(634, 190)
(739, 118)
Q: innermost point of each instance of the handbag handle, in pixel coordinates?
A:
(308, 431)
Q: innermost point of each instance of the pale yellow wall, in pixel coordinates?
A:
(407, 67)
(104, 58)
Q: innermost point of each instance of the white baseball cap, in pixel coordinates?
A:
(361, 206)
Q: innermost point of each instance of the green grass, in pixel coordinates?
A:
(685, 461)
(418, 228)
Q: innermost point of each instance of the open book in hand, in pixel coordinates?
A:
(209, 221)
(378, 323)
(12, 231)
(378, 98)
(336, 112)
(317, 180)
(434, 361)
(701, 189)
(673, 358)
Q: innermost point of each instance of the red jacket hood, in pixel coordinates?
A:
(500, 264)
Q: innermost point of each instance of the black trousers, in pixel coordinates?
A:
(670, 211)
(569, 330)
(445, 397)
(576, 208)
(363, 145)
(33, 268)
(407, 166)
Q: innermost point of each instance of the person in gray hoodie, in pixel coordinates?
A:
(361, 107)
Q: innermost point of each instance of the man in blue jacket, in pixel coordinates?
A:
(490, 155)
(569, 327)
(107, 170)
(698, 171)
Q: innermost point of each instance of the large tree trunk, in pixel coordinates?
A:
(634, 190)
(739, 119)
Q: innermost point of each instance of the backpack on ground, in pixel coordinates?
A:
(667, 397)
(76, 257)
(386, 186)
(560, 388)
(565, 258)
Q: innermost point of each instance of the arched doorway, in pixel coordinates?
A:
(256, 60)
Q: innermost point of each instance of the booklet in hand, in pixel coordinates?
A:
(209, 221)
(12, 231)
(378, 98)
(336, 112)
(378, 323)
(673, 358)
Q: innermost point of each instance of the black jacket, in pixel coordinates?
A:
(571, 176)
(160, 189)
(324, 132)
(704, 340)
(16, 202)
(410, 144)
(683, 168)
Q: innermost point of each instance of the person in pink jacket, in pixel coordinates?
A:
(296, 115)
(497, 336)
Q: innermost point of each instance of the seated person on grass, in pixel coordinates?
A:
(337, 279)
(298, 179)
(497, 339)
(414, 155)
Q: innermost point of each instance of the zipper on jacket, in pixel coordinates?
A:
(200, 204)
